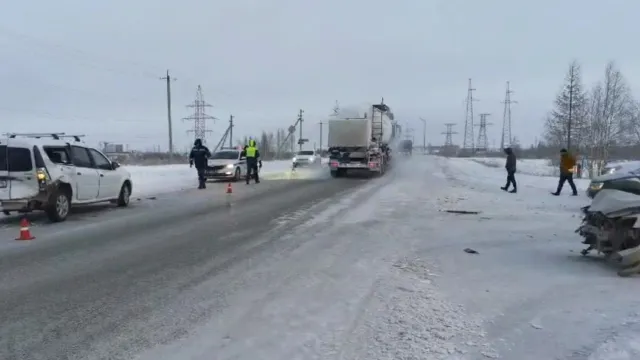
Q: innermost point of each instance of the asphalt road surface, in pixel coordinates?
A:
(107, 286)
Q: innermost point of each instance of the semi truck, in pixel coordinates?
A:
(362, 143)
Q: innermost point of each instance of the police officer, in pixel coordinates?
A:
(253, 161)
(198, 156)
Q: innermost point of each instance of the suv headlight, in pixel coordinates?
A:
(294, 159)
(230, 166)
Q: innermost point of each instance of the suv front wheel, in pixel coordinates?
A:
(58, 206)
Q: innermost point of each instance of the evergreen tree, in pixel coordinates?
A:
(566, 125)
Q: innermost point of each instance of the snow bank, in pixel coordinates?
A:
(537, 167)
(487, 171)
(624, 347)
(151, 180)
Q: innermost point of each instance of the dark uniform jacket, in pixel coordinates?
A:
(511, 160)
(199, 155)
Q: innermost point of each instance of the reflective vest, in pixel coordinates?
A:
(251, 151)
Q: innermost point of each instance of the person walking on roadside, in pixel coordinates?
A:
(510, 166)
(199, 156)
(252, 154)
(567, 163)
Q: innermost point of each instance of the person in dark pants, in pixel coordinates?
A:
(198, 157)
(511, 171)
(252, 154)
(567, 163)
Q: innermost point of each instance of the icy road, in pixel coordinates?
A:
(322, 269)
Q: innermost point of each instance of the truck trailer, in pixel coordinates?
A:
(362, 143)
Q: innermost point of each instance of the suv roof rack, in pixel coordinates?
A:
(55, 136)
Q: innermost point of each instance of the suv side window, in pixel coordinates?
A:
(80, 157)
(100, 161)
(58, 154)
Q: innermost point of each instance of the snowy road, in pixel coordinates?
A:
(326, 269)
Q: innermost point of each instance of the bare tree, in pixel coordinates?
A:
(611, 111)
(633, 125)
(566, 124)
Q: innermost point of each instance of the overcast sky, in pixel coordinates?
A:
(94, 66)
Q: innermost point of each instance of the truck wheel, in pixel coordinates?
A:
(58, 206)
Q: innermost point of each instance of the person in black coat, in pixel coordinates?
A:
(198, 157)
(510, 166)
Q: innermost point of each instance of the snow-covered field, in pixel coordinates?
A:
(537, 167)
(152, 180)
(381, 274)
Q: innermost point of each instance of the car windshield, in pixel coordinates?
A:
(306, 153)
(225, 155)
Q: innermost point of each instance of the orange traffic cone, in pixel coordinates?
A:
(229, 192)
(25, 234)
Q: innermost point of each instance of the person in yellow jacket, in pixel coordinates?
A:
(254, 162)
(567, 164)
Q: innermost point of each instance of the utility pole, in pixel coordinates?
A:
(506, 119)
(424, 135)
(468, 123)
(483, 141)
(321, 123)
(168, 78)
(230, 131)
(300, 120)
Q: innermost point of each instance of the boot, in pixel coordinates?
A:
(555, 193)
(503, 188)
(514, 191)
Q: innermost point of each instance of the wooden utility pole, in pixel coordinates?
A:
(168, 79)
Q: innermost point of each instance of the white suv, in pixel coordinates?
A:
(48, 172)
(305, 158)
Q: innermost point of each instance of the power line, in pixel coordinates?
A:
(468, 122)
(506, 119)
(142, 69)
(70, 118)
(483, 141)
(83, 57)
(448, 140)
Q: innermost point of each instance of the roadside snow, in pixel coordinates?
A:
(537, 167)
(152, 180)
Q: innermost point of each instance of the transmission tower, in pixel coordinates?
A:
(483, 142)
(468, 122)
(506, 119)
(199, 117)
(448, 140)
(336, 110)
